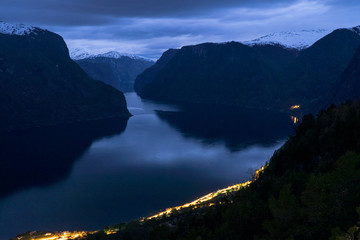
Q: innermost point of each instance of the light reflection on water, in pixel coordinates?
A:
(154, 164)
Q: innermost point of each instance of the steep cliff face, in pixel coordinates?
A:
(41, 85)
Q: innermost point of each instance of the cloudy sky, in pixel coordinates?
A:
(149, 27)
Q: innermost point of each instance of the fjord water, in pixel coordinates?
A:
(88, 176)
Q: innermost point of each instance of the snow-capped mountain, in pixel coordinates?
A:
(79, 54)
(297, 39)
(113, 68)
(114, 54)
(16, 29)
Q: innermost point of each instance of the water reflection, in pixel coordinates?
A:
(161, 160)
(294, 119)
(43, 156)
(237, 129)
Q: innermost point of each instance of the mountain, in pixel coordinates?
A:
(318, 68)
(113, 68)
(41, 85)
(291, 39)
(269, 76)
(223, 74)
(79, 53)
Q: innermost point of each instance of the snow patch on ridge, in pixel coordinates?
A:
(297, 39)
(78, 54)
(16, 29)
(114, 54)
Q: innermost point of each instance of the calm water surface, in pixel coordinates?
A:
(91, 176)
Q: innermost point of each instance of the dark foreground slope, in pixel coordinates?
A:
(41, 85)
(309, 190)
(119, 72)
(260, 76)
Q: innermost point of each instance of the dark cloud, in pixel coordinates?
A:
(149, 27)
(88, 12)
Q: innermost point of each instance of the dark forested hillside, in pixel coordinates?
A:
(41, 85)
